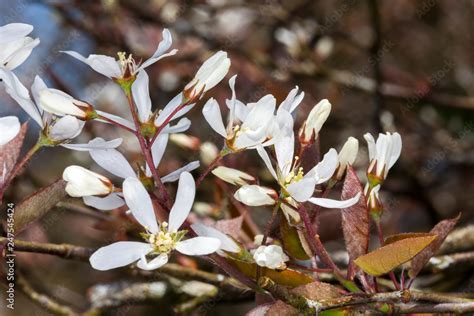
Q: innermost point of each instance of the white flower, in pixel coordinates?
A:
(160, 239)
(254, 118)
(384, 153)
(254, 195)
(83, 182)
(125, 67)
(295, 183)
(347, 155)
(141, 96)
(58, 129)
(316, 118)
(59, 103)
(212, 71)
(106, 156)
(16, 45)
(271, 257)
(9, 128)
(232, 176)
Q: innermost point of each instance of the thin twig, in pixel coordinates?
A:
(42, 300)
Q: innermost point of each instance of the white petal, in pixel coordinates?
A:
(96, 143)
(163, 46)
(396, 149)
(21, 53)
(292, 100)
(184, 201)
(118, 254)
(266, 159)
(284, 149)
(261, 114)
(183, 125)
(302, 190)
(158, 148)
(170, 107)
(113, 161)
(173, 176)
(329, 203)
(227, 243)
(9, 128)
(198, 246)
(371, 145)
(324, 170)
(213, 116)
(104, 65)
(141, 95)
(13, 31)
(110, 202)
(67, 127)
(20, 94)
(140, 204)
(115, 118)
(231, 104)
(155, 263)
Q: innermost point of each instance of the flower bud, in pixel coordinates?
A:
(82, 182)
(373, 202)
(254, 195)
(212, 71)
(316, 118)
(60, 103)
(208, 152)
(347, 155)
(382, 154)
(186, 141)
(65, 128)
(232, 176)
(271, 257)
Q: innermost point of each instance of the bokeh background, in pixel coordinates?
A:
(394, 65)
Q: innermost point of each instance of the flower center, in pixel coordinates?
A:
(128, 65)
(164, 241)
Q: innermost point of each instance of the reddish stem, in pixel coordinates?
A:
(209, 168)
(146, 151)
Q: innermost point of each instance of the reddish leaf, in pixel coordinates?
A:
(230, 227)
(355, 219)
(10, 151)
(441, 230)
(387, 258)
(288, 277)
(38, 204)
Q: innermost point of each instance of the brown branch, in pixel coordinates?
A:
(398, 299)
(42, 300)
(72, 252)
(459, 240)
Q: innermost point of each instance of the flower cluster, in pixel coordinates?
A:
(263, 126)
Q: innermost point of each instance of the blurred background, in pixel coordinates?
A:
(405, 66)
